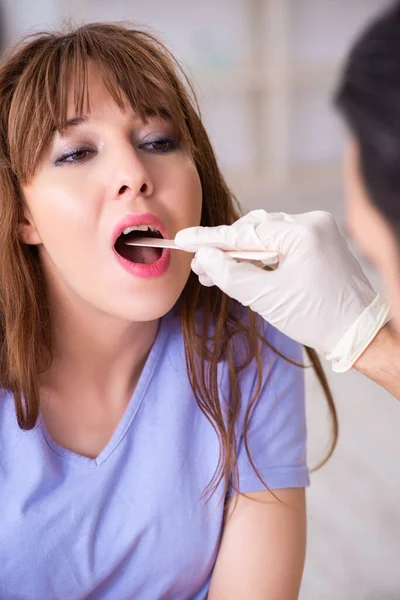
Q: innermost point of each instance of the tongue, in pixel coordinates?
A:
(142, 255)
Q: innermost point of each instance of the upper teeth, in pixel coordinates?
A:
(140, 228)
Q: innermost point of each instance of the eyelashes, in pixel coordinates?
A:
(76, 156)
(160, 145)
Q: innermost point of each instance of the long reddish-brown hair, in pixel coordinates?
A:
(34, 81)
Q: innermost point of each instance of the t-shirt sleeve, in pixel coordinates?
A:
(277, 427)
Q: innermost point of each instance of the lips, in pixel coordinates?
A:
(145, 268)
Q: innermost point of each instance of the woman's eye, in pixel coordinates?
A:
(77, 156)
(162, 145)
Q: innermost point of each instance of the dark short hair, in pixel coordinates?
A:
(368, 97)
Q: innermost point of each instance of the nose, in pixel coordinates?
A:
(132, 178)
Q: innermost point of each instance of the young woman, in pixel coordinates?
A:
(137, 406)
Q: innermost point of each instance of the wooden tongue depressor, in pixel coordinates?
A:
(268, 257)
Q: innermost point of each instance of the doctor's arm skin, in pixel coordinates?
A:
(380, 362)
(263, 547)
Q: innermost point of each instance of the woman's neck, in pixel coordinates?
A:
(95, 353)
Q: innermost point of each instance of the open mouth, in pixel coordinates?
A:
(138, 254)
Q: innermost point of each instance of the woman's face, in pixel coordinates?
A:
(371, 232)
(108, 172)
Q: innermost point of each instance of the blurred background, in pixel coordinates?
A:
(264, 72)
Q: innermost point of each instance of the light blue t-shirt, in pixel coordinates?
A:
(130, 524)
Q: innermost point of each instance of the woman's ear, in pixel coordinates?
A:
(27, 231)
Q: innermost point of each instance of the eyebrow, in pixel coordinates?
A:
(76, 121)
(71, 123)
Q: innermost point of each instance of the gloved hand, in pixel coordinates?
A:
(318, 295)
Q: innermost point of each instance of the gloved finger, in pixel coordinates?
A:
(312, 230)
(238, 236)
(196, 267)
(203, 277)
(206, 281)
(239, 280)
(259, 216)
(194, 238)
(286, 236)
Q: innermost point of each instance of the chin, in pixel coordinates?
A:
(144, 308)
(142, 300)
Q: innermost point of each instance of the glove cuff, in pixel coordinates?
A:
(360, 335)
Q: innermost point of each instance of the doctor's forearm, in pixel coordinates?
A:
(381, 361)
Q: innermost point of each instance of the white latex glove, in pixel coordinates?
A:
(318, 295)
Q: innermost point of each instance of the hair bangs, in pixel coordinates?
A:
(134, 66)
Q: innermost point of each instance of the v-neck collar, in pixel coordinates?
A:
(130, 411)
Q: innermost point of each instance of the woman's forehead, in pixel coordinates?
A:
(87, 85)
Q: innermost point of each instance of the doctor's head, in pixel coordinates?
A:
(368, 97)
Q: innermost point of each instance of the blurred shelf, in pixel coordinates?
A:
(309, 74)
(302, 75)
(228, 81)
(305, 179)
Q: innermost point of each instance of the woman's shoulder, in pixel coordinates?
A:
(6, 399)
(8, 420)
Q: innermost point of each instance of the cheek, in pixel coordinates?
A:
(184, 210)
(369, 236)
(60, 212)
(363, 220)
(190, 199)
(360, 232)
